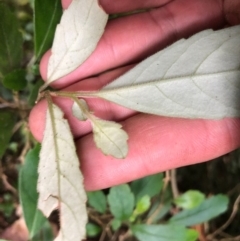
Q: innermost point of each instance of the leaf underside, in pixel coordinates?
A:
(194, 78)
(60, 183)
(77, 35)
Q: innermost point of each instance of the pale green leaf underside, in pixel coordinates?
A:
(60, 183)
(194, 78)
(108, 136)
(77, 35)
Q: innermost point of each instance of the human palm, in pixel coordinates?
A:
(155, 143)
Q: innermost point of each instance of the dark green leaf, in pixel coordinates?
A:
(7, 122)
(93, 230)
(34, 92)
(16, 80)
(207, 210)
(159, 210)
(121, 202)
(98, 201)
(28, 194)
(10, 41)
(190, 199)
(45, 234)
(150, 186)
(47, 14)
(116, 224)
(163, 233)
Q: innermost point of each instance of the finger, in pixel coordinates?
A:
(232, 11)
(157, 144)
(103, 109)
(124, 5)
(134, 37)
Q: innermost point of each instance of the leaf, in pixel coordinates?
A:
(141, 207)
(116, 224)
(93, 230)
(46, 17)
(194, 78)
(77, 35)
(109, 136)
(163, 233)
(45, 233)
(209, 209)
(150, 186)
(15, 80)
(60, 183)
(11, 41)
(190, 199)
(34, 90)
(7, 122)
(98, 201)
(163, 211)
(28, 194)
(121, 202)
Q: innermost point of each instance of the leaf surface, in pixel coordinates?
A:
(28, 194)
(194, 78)
(46, 17)
(7, 122)
(150, 185)
(77, 35)
(108, 136)
(163, 233)
(98, 201)
(60, 183)
(10, 41)
(121, 202)
(208, 209)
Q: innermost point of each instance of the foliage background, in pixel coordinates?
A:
(30, 35)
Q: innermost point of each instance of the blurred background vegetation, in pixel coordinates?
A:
(181, 204)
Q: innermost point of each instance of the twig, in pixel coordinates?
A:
(125, 235)
(165, 185)
(7, 185)
(228, 239)
(174, 183)
(228, 222)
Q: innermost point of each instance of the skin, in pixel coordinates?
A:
(156, 143)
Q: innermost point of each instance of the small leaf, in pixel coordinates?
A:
(116, 224)
(194, 78)
(150, 186)
(190, 199)
(93, 230)
(121, 202)
(60, 182)
(77, 35)
(207, 210)
(34, 90)
(98, 201)
(47, 14)
(28, 194)
(110, 138)
(15, 80)
(7, 122)
(142, 206)
(163, 233)
(11, 41)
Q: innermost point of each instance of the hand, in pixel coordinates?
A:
(156, 143)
